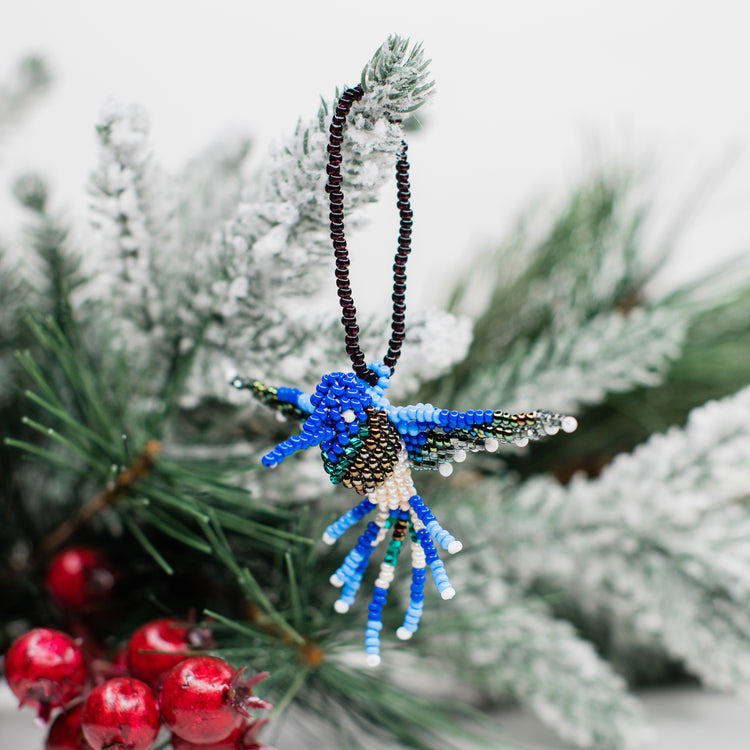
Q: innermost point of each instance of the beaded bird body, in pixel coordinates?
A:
(371, 446)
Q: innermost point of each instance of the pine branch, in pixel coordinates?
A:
(209, 188)
(588, 265)
(89, 426)
(566, 369)
(31, 77)
(518, 650)
(48, 236)
(134, 234)
(279, 237)
(658, 541)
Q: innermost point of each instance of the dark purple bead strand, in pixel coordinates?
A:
(341, 254)
(336, 216)
(398, 319)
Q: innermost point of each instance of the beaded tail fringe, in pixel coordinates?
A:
(402, 511)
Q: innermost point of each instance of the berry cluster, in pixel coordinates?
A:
(153, 682)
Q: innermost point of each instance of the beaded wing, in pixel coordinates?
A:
(371, 446)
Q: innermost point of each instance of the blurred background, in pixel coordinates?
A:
(530, 97)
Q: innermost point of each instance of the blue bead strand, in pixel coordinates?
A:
(345, 522)
(372, 633)
(445, 539)
(416, 605)
(349, 575)
(349, 591)
(356, 555)
(435, 564)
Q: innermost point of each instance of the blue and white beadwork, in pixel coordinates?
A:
(372, 446)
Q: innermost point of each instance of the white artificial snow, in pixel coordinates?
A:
(579, 365)
(659, 541)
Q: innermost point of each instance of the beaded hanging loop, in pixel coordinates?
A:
(341, 253)
(371, 446)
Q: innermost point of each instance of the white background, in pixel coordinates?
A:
(531, 95)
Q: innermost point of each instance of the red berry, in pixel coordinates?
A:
(121, 713)
(204, 700)
(79, 577)
(167, 636)
(243, 738)
(228, 743)
(45, 670)
(65, 732)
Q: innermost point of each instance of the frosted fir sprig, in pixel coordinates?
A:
(14, 293)
(133, 232)
(435, 342)
(31, 77)
(591, 257)
(209, 188)
(397, 73)
(525, 653)
(512, 645)
(271, 257)
(579, 365)
(566, 294)
(658, 541)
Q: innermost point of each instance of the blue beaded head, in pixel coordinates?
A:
(338, 413)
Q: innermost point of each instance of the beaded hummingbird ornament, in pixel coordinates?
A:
(370, 445)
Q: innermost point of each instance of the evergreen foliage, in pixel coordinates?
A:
(585, 559)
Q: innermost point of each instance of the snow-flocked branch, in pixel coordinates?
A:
(658, 541)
